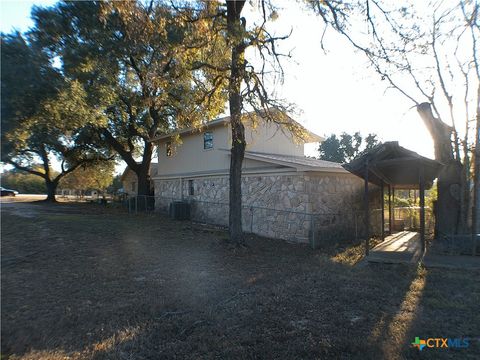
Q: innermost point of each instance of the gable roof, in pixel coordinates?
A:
(311, 137)
(393, 164)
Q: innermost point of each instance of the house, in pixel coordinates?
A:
(130, 181)
(284, 194)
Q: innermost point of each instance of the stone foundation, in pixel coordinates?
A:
(290, 207)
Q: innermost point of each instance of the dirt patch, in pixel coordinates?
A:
(83, 281)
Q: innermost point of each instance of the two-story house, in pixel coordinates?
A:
(280, 185)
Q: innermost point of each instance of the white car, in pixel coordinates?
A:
(8, 192)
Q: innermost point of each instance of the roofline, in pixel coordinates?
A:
(299, 167)
(226, 120)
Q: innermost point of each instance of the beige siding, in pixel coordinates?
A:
(130, 183)
(190, 158)
(269, 138)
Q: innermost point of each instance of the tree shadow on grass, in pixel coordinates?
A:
(448, 308)
(117, 286)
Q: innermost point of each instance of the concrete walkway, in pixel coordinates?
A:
(404, 247)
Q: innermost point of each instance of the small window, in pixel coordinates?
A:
(134, 185)
(208, 140)
(190, 188)
(169, 148)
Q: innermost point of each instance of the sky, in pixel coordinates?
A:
(336, 92)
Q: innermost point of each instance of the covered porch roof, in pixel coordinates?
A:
(394, 165)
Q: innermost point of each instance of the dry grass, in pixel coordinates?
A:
(79, 281)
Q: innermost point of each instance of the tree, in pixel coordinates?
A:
(23, 182)
(94, 176)
(432, 61)
(247, 88)
(115, 185)
(347, 147)
(247, 84)
(44, 116)
(137, 60)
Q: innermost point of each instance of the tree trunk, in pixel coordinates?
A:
(476, 173)
(143, 173)
(51, 190)
(235, 27)
(449, 180)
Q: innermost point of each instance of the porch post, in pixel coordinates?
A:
(383, 213)
(367, 212)
(393, 206)
(390, 209)
(422, 207)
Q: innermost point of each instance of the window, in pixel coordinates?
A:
(134, 185)
(208, 140)
(190, 188)
(169, 148)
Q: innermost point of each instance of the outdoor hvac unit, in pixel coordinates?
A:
(179, 210)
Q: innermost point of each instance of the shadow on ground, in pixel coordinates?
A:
(90, 282)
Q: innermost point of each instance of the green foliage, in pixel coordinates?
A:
(346, 147)
(43, 114)
(431, 196)
(27, 79)
(95, 176)
(23, 182)
(139, 61)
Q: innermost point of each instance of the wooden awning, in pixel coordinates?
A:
(394, 165)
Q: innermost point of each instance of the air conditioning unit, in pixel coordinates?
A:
(179, 210)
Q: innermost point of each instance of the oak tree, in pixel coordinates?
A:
(45, 117)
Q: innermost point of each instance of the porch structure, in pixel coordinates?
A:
(391, 166)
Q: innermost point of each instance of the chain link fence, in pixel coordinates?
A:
(317, 229)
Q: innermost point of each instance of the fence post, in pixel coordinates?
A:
(312, 226)
(251, 219)
(474, 240)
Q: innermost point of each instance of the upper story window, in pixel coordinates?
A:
(168, 147)
(208, 140)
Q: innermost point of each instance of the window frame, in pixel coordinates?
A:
(208, 140)
(168, 149)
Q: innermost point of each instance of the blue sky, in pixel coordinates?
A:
(16, 14)
(335, 91)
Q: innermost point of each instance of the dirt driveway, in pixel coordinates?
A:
(82, 281)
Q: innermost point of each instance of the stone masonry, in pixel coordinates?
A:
(290, 207)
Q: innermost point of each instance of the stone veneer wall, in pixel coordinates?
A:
(278, 206)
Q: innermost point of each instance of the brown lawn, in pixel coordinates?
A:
(80, 281)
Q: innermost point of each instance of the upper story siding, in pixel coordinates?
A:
(189, 156)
